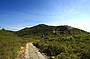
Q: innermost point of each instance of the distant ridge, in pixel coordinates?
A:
(43, 29)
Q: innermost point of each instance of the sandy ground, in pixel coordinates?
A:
(32, 52)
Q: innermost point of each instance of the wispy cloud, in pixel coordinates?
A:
(15, 28)
(11, 27)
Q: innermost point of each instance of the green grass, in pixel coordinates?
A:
(9, 44)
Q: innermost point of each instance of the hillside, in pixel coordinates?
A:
(9, 44)
(45, 30)
(61, 42)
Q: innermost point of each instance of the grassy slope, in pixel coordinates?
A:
(64, 42)
(9, 44)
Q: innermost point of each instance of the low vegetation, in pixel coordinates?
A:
(9, 44)
(73, 47)
(62, 42)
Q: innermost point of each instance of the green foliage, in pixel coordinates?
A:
(9, 44)
(63, 42)
(69, 47)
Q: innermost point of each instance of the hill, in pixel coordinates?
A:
(62, 42)
(45, 30)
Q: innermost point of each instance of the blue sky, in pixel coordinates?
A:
(17, 14)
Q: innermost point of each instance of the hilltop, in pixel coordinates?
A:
(46, 30)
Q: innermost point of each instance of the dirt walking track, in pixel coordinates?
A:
(33, 53)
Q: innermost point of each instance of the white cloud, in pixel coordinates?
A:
(15, 28)
(81, 24)
(11, 27)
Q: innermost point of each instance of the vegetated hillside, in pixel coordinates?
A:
(63, 42)
(45, 30)
(9, 44)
